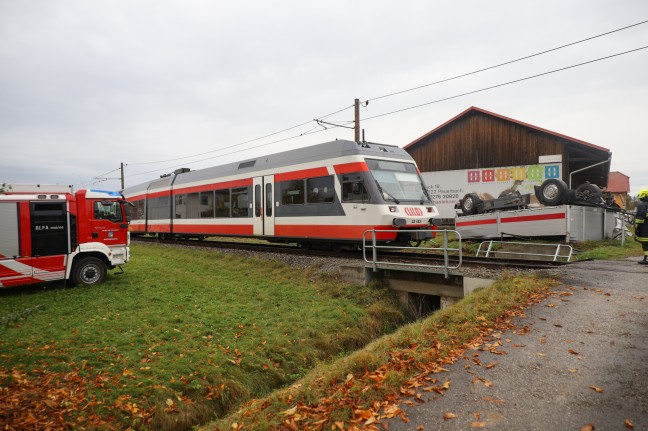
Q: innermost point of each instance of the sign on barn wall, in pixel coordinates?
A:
(447, 187)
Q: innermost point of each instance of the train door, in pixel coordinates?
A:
(263, 205)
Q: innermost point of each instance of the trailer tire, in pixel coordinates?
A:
(552, 192)
(589, 192)
(89, 271)
(469, 203)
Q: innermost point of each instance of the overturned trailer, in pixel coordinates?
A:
(576, 215)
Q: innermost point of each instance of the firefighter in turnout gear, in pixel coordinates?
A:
(641, 224)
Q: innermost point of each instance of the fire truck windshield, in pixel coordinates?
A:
(398, 181)
(108, 210)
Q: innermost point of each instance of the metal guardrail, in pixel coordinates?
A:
(448, 252)
(554, 256)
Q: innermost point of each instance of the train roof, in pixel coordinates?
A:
(325, 151)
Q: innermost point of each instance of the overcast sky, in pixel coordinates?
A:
(86, 85)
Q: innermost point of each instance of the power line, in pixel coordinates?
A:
(320, 123)
(506, 63)
(245, 142)
(503, 84)
(310, 132)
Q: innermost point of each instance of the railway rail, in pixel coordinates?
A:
(409, 256)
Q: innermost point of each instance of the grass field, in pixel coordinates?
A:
(186, 336)
(181, 337)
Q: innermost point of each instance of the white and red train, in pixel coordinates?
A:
(329, 193)
(49, 233)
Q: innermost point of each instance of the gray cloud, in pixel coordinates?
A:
(87, 85)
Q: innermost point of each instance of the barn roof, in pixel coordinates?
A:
(618, 183)
(483, 111)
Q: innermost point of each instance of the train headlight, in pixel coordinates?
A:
(399, 222)
(392, 209)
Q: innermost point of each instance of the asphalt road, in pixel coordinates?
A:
(579, 358)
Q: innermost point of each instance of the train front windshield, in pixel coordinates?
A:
(398, 181)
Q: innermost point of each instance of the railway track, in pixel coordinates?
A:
(393, 256)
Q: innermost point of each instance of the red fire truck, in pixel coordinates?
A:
(51, 233)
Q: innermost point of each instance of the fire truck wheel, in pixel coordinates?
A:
(552, 192)
(469, 203)
(89, 271)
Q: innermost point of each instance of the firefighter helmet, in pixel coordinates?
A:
(643, 194)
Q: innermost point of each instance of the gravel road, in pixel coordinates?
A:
(579, 358)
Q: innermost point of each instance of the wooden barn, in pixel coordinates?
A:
(477, 139)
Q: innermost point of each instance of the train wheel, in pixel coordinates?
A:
(89, 271)
(552, 192)
(469, 203)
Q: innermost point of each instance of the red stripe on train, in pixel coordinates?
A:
(346, 168)
(301, 174)
(208, 229)
(354, 233)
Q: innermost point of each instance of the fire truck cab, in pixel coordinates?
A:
(50, 233)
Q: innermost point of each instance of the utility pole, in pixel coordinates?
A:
(121, 168)
(357, 120)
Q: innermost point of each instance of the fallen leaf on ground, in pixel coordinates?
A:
(628, 424)
(597, 389)
(449, 415)
(588, 427)
(478, 425)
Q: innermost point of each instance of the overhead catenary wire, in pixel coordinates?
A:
(245, 142)
(503, 84)
(412, 107)
(317, 129)
(526, 57)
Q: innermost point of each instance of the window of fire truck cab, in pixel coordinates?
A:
(398, 181)
(108, 210)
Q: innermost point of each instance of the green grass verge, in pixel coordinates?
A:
(608, 249)
(183, 336)
(366, 385)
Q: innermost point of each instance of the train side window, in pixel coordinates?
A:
(207, 204)
(222, 203)
(320, 190)
(292, 192)
(159, 208)
(268, 203)
(257, 200)
(353, 189)
(136, 212)
(193, 205)
(240, 202)
(181, 206)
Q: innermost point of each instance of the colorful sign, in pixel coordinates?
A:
(447, 187)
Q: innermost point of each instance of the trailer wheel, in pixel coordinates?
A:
(552, 192)
(89, 271)
(589, 192)
(469, 203)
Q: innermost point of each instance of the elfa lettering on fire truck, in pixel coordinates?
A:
(49, 233)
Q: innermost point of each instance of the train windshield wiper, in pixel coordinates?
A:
(385, 192)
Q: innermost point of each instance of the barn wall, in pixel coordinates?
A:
(480, 141)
